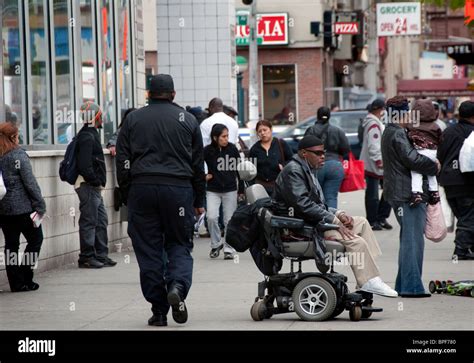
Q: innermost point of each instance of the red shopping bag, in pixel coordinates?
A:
(354, 175)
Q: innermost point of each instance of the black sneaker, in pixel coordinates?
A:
(376, 227)
(434, 198)
(178, 307)
(33, 286)
(23, 288)
(215, 252)
(415, 199)
(90, 263)
(385, 225)
(108, 262)
(158, 320)
(463, 255)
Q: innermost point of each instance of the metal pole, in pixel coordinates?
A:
(240, 99)
(253, 74)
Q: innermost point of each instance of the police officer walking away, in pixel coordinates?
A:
(160, 164)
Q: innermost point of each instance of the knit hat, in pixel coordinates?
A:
(398, 103)
(309, 141)
(90, 112)
(466, 110)
(425, 109)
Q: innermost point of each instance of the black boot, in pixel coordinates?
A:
(158, 320)
(176, 300)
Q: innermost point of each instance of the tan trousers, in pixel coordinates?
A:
(361, 250)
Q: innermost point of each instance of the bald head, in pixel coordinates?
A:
(216, 105)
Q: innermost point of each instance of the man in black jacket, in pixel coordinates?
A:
(399, 159)
(298, 189)
(92, 179)
(160, 159)
(459, 186)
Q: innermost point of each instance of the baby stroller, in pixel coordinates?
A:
(314, 296)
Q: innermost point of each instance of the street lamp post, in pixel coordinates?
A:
(253, 73)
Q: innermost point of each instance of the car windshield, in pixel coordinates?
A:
(348, 122)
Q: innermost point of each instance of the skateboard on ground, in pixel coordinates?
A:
(460, 288)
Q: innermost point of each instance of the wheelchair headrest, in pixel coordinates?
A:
(255, 192)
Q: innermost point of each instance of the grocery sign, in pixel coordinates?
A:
(346, 28)
(272, 28)
(398, 19)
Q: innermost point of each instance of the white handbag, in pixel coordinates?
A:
(3, 189)
(447, 212)
(466, 155)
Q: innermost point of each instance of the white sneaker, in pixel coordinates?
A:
(377, 286)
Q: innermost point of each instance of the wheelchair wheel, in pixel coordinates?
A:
(314, 299)
(355, 313)
(258, 311)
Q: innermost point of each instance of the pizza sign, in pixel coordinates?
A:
(272, 29)
(346, 28)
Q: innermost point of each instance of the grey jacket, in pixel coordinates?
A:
(372, 145)
(23, 192)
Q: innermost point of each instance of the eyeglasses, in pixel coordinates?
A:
(318, 152)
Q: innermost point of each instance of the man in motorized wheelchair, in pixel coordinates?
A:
(298, 190)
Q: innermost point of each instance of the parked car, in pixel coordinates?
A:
(348, 120)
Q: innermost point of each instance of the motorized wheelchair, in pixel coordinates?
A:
(314, 296)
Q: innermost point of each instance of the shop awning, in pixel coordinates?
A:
(434, 88)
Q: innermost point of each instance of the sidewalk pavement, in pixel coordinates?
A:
(223, 292)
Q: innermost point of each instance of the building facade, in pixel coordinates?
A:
(294, 68)
(196, 46)
(58, 54)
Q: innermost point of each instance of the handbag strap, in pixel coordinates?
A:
(282, 154)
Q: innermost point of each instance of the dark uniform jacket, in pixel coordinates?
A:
(161, 144)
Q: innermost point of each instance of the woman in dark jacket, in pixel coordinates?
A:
(22, 200)
(269, 155)
(331, 175)
(222, 158)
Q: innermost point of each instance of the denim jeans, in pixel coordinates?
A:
(161, 224)
(377, 210)
(229, 205)
(412, 222)
(330, 177)
(92, 223)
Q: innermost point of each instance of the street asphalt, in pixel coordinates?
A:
(223, 292)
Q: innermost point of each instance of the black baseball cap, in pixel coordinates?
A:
(378, 104)
(161, 83)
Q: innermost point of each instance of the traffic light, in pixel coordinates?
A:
(330, 39)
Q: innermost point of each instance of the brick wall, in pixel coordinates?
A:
(309, 77)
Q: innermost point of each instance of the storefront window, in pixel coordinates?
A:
(279, 94)
(125, 67)
(64, 115)
(88, 52)
(106, 66)
(38, 58)
(13, 67)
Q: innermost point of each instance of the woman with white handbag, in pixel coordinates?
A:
(21, 211)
